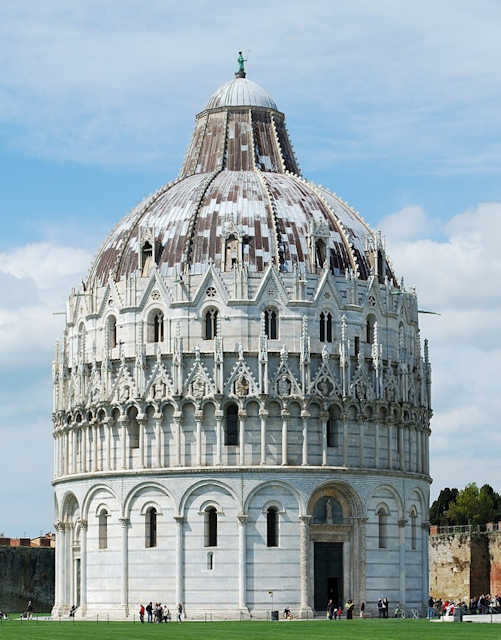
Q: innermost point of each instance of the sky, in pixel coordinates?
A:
(394, 106)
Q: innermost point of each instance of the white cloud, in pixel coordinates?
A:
(121, 86)
(459, 277)
(409, 223)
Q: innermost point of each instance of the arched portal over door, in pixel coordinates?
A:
(337, 566)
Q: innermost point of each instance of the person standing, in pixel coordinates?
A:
(350, 606)
(29, 610)
(386, 606)
(141, 613)
(431, 610)
(179, 612)
(380, 607)
(149, 611)
(330, 609)
(362, 609)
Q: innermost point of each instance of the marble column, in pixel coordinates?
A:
(401, 559)
(376, 429)
(242, 562)
(66, 451)
(83, 448)
(142, 440)
(345, 443)
(124, 595)
(59, 527)
(54, 455)
(179, 558)
(427, 451)
(83, 567)
(410, 431)
(177, 417)
(390, 445)
(419, 467)
(400, 436)
(123, 439)
(89, 448)
(304, 564)
(198, 423)
(324, 417)
(304, 416)
(263, 414)
(361, 443)
(285, 421)
(219, 436)
(159, 441)
(425, 589)
(107, 438)
(242, 415)
(95, 454)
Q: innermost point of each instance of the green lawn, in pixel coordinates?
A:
(320, 630)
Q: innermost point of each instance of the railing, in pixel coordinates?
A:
(464, 529)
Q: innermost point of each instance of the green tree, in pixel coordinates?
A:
(473, 506)
(441, 504)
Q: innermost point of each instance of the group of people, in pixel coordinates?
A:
(383, 607)
(159, 613)
(334, 612)
(485, 603)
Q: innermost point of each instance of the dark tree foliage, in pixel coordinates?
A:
(471, 505)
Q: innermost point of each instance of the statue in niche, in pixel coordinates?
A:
(95, 394)
(124, 394)
(242, 386)
(197, 352)
(328, 512)
(325, 354)
(284, 386)
(240, 351)
(325, 387)
(198, 387)
(158, 390)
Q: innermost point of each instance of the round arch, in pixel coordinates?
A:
(146, 485)
(349, 499)
(276, 483)
(86, 502)
(205, 483)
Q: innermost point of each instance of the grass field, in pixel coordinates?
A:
(320, 630)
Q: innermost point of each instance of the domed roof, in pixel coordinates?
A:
(241, 92)
(240, 177)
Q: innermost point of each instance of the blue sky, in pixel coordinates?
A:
(394, 106)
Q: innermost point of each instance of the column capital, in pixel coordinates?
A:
(158, 416)
(177, 416)
(179, 518)
(59, 525)
(219, 414)
(285, 413)
(305, 413)
(264, 413)
(305, 519)
(199, 415)
(124, 522)
(242, 519)
(242, 413)
(324, 415)
(402, 522)
(83, 524)
(425, 525)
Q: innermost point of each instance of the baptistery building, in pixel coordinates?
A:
(241, 398)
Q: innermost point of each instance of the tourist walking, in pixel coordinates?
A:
(330, 609)
(179, 612)
(350, 605)
(29, 610)
(362, 609)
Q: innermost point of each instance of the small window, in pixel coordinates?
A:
(147, 258)
(325, 327)
(231, 425)
(211, 320)
(211, 527)
(272, 527)
(210, 560)
(231, 253)
(158, 321)
(332, 432)
(382, 525)
(150, 534)
(271, 324)
(357, 346)
(112, 332)
(320, 254)
(103, 529)
(371, 330)
(413, 531)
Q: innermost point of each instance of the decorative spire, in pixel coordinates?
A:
(241, 66)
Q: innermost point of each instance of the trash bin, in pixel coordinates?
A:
(274, 615)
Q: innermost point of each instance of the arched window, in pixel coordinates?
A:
(382, 528)
(325, 327)
(271, 324)
(112, 332)
(272, 527)
(231, 425)
(155, 326)
(150, 530)
(320, 254)
(103, 529)
(371, 329)
(413, 530)
(332, 431)
(210, 525)
(231, 253)
(133, 428)
(146, 258)
(211, 319)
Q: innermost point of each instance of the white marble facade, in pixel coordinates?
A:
(218, 419)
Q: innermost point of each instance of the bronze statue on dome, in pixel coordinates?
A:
(241, 66)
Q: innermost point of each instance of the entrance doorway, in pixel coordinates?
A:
(328, 574)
